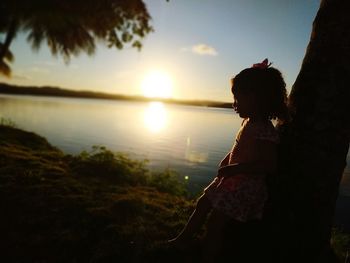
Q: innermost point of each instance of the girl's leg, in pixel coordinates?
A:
(194, 223)
(214, 237)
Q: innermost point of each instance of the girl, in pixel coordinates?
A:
(239, 192)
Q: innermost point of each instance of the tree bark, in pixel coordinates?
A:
(315, 143)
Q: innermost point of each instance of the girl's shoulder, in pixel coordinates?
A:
(261, 130)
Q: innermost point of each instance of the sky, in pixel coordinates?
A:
(197, 46)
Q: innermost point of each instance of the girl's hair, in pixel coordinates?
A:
(269, 86)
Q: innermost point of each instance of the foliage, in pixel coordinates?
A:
(7, 58)
(104, 164)
(58, 209)
(116, 167)
(60, 92)
(168, 181)
(7, 122)
(71, 27)
(340, 242)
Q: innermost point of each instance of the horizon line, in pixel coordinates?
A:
(53, 91)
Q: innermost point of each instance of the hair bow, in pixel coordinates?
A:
(263, 65)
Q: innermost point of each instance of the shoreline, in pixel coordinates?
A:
(83, 94)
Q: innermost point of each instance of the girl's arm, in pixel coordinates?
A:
(264, 161)
(246, 168)
(225, 161)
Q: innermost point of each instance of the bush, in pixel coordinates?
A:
(341, 244)
(7, 122)
(105, 164)
(168, 181)
(119, 168)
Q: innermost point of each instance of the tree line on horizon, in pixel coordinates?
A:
(60, 92)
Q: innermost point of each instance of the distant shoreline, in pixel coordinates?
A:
(60, 92)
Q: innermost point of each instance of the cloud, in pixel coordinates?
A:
(123, 74)
(184, 49)
(21, 76)
(73, 66)
(45, 63)
(39, 70)
(203, 49)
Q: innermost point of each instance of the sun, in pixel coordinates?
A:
(157, 84)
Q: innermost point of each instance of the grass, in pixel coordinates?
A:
(340, 242)
(97, 206)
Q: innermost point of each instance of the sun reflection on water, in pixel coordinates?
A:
(155, 117)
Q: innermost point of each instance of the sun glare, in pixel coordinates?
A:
(157, 84)
(155, 117)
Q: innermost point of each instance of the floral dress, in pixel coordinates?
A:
(242, 196)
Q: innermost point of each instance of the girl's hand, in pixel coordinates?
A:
(225, 161)
(232, 169)
(222, 172)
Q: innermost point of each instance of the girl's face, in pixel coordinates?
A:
(245, 104)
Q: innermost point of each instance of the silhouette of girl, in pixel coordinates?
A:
(239, 191)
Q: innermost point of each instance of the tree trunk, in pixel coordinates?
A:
(315, 143)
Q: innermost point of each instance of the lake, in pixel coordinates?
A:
(188, 139)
